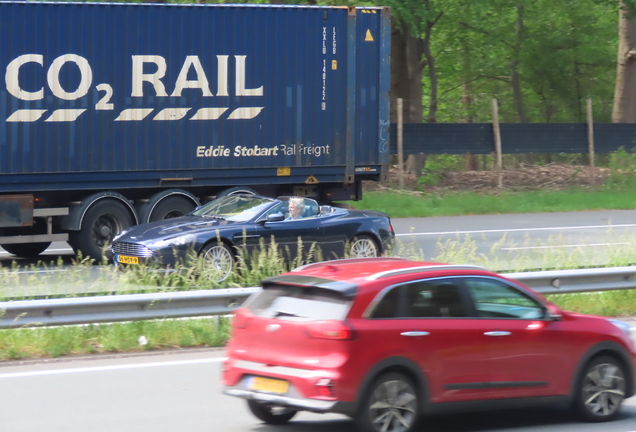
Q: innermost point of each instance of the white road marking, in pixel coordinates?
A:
(563, 246)
(108, 368)
(516, 230)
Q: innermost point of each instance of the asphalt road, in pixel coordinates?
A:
(591, 229)
(535, 240)
(180, 391)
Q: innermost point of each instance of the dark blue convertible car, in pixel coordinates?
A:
(219, 229)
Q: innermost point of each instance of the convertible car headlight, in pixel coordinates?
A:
(174, 241)
(119, 235)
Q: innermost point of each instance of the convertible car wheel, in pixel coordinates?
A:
(363, 247)
(220, 260)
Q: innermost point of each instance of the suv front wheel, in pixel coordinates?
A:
(391, 405)
(601, 390)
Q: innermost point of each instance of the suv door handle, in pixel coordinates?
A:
(415, 333)
(498, 333)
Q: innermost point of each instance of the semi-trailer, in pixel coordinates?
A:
(115, 114)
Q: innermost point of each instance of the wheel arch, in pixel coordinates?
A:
(77, 211)
(611, 349)
(146, 208)
(395, 364)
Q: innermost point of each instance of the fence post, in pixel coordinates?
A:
(497, 133)
(590, 140)
(400, 125)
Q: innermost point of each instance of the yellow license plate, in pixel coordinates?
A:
(267, 385)
(123, 259)
(283, 171)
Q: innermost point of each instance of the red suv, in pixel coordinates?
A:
(386, 340)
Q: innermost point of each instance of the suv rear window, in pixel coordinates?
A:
(299, 303)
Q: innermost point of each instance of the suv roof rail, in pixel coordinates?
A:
(346, 260)
(408, 270)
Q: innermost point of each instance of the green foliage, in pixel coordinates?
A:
(623, 168)
(436, 165)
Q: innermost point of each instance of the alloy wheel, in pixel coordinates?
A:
(363, 247)
(393, 406)
(603, 389)
(220, 257)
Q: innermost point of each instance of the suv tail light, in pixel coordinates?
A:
(334, 330)
(326, 387)
(241, 318)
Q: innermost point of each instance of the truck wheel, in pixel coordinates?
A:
(26, 250)
(171, 207)
(236, 190)
(102, 222)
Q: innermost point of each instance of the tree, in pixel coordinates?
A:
(624, 110)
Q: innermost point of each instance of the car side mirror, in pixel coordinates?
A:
(324, 209)
(553, 313)
(275, 217)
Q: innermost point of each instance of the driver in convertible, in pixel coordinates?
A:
(296, 207)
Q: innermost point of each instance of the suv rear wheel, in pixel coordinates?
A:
(271, 414)
(391, 405)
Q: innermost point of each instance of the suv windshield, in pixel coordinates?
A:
(235, 208)
(299, 303)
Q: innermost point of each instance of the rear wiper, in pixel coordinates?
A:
(287, 314)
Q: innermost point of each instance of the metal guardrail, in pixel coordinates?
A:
(131, 307)
(125, 307)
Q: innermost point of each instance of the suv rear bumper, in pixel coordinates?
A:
(298, 403)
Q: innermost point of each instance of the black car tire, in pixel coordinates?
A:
(102, 222)
(363, 246)
(171, 207)
(219, 255)
(390, 405)
(26, 250)
(600, 389)
(271, 414)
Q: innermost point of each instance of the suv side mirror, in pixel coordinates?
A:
(275, 217)
(553, 313)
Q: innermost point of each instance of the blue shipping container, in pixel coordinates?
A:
(132, 95)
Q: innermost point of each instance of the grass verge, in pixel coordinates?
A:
(413, 204)
(42, 342)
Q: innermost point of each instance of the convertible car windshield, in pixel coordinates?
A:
(235, 208)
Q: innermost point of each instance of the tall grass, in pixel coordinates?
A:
(111, 338)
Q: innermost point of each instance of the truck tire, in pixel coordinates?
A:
(101, 223)
(26, 250)
(171, 207)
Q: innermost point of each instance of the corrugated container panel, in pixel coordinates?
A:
(373, 46)
(184, 88)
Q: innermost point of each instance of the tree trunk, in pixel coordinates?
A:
(406, 83)
(515, 78)
(467, 100)
(624, 109)
(406, 74)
